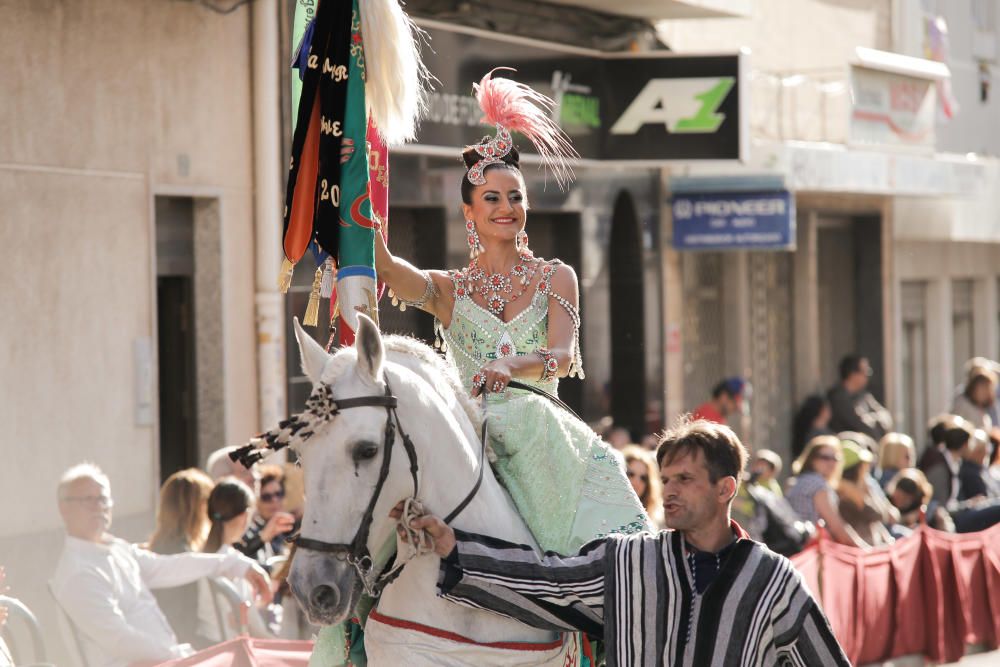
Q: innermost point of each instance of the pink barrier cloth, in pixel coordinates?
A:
(247, 652)
(931, 593)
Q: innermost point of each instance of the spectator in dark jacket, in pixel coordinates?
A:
(852, 405)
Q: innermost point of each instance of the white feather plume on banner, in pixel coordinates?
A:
(397, 78)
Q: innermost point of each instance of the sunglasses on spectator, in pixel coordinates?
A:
(103, 501)
(632, 475)
(268, 497)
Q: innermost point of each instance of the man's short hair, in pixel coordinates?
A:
(725, 455)
(850, 364)
(85, 470)
(958, 435)
(732, 387)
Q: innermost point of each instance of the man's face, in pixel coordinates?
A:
(690, 500)
(85, 506)
(862, 375)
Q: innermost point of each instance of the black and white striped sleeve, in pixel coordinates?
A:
(548, 591)
(802, 633)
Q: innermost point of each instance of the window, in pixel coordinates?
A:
(913, 353)
(963, 341)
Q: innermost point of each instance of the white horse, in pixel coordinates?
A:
(342, 462)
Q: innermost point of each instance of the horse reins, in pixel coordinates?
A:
(356, 552)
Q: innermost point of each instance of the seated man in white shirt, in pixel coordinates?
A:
(103, 583)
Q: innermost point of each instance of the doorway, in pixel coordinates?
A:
(176, 334)
(627, 319)
(849, 276)
(557, 234)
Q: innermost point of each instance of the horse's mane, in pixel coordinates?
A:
(443, 377)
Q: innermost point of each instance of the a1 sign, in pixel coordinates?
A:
(674, 108)
(734, 221)
(624, 107)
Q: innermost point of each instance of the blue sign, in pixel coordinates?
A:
(734, 221)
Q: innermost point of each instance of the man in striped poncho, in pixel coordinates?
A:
(700, 594)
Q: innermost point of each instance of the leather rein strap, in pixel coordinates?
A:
(356, 552)
(517, 384)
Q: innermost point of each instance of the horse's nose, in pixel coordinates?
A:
(324, 597)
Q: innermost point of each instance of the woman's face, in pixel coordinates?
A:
(902, 500)
(499, 206)
(983, 394)
(638, 475)
(271, 497)
(825, 461)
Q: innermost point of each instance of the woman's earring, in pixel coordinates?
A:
(475, 246)
(521, 243)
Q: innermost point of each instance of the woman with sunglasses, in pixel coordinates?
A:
(812, 494)
(265, 537)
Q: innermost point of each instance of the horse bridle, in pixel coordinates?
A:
(356, 552)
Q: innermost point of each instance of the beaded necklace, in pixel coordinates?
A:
(498, 288)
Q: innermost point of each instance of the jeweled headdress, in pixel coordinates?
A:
(514, 107)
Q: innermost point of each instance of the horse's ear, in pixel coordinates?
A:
(314, 357)
(368, 342)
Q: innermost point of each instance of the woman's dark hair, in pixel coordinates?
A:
(229, 499)
(852, 474)
(802, 424)
(510, 161)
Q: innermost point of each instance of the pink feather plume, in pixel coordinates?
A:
(522, 109)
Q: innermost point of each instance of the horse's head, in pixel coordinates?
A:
(342, 462)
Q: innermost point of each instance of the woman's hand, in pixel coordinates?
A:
(499, 373)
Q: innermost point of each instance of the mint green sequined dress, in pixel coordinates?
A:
(567, 483)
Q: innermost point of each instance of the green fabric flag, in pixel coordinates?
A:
(305, 10)
(356, 285)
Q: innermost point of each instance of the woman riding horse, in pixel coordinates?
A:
(511, 315)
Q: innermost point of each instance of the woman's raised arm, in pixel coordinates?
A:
(427, 290)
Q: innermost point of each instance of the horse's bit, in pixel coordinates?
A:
(322, 407)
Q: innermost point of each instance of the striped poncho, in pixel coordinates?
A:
(635, 592)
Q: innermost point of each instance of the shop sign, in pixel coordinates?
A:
(734, 221)
(622, 107)
(892, 109)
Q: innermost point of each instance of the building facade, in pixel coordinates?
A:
(898, 245)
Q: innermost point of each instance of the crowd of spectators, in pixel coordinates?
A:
(213, 566)
(852, 472)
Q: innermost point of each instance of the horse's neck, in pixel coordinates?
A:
(447, 478)
(490, 510)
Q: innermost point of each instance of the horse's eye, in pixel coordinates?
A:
(365, 452)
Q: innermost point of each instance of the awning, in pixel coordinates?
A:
(666, 9)
(247, 652)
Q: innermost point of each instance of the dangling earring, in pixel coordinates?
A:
(521, 243)
(475, 246)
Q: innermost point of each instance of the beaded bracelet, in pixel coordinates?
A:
(429, 291)
(550, 365)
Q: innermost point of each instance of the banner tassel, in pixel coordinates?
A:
(285, 275)
(326, 289)
(312, 310)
